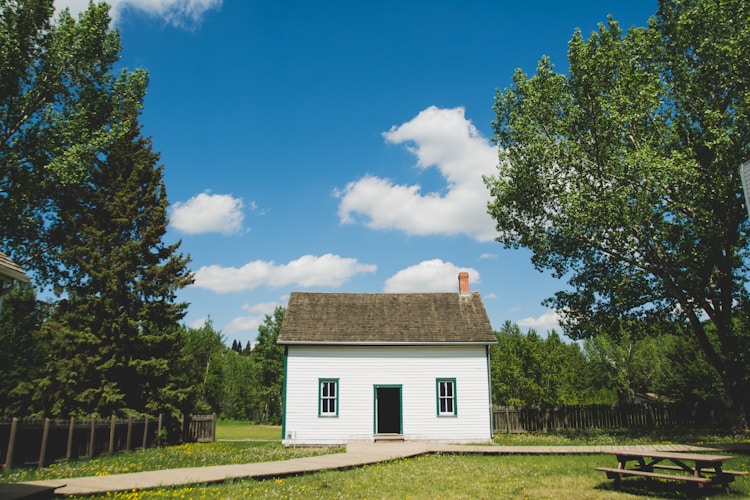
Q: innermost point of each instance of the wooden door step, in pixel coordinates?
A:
(389, 437)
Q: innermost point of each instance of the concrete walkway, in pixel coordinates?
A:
(357, 454)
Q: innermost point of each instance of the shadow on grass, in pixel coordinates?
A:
(656, 488)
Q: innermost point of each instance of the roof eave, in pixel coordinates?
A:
(9, 274)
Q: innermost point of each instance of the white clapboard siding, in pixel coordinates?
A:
(360, 368)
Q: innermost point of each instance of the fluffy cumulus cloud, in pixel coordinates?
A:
(175, 12)
(250, 322)
(446, 140)
(428, 276)
(309, 270)
(208, 213)
(544, 323)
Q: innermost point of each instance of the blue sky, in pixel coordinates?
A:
(340, 145)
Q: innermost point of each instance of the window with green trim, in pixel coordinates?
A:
(328, 405)
(446, 397)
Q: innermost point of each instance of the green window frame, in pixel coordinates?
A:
(446, 397)
(328, 397)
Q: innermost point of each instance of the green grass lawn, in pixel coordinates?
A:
(428, 476)
(234, 430)
(457, 476)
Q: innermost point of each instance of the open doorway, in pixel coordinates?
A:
(388, 409)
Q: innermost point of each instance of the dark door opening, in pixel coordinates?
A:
(388, 410)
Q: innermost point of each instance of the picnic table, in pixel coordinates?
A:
(696, 468)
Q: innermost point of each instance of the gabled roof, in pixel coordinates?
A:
(385, 318)
(10, 271)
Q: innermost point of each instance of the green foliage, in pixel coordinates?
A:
(60, 108)
(622, 177)
(268, 357)
(231, 384)
(528, 370)
(627, 364)
(23, 351)
(201, 368)
(114, 335)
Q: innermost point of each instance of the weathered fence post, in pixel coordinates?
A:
(91, 436)
(145, 433)
(158, 430)
(112, 436)
(43, 448)
(11, 443)
(71, 428)
(130, 432)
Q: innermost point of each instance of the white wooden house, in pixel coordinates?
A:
(364, 367)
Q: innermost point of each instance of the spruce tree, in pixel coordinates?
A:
(115, 334)
(23, 352)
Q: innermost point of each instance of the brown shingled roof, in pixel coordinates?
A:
(10, 271)
(385, 318)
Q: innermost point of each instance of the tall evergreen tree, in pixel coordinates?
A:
(116, 332)
(23, 352)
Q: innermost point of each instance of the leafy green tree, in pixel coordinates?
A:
(527, 369)
(628, 364)
(240, 394)
(23, 351)
(268, 358)
(622, 177)
(506, 369)
(59, 107)
(114, 347)
(201, 369)
(685, 364)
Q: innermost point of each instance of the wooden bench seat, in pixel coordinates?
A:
(705, 470)
(613, 473)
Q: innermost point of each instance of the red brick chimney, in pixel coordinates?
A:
(463, 282)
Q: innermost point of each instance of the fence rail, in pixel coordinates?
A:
(41, 442)
(513, 419)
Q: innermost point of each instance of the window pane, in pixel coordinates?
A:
(446, 397)
(328, 397)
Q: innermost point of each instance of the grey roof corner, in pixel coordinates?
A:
(10, 271)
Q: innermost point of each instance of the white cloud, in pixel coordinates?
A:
(309, 270)
(244, 324)
(428, 276)
(175, 12)
(199, 322)
(208, 213)
(441, 138)
(488, 256)
(254, 320)
(550, 320)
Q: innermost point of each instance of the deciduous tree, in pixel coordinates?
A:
(59, 107)
(622, 177)
(268, 358)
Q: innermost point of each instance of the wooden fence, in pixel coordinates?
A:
(200, 428)
(511, 419)
(41, 442)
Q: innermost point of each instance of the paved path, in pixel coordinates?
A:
(357, 454)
